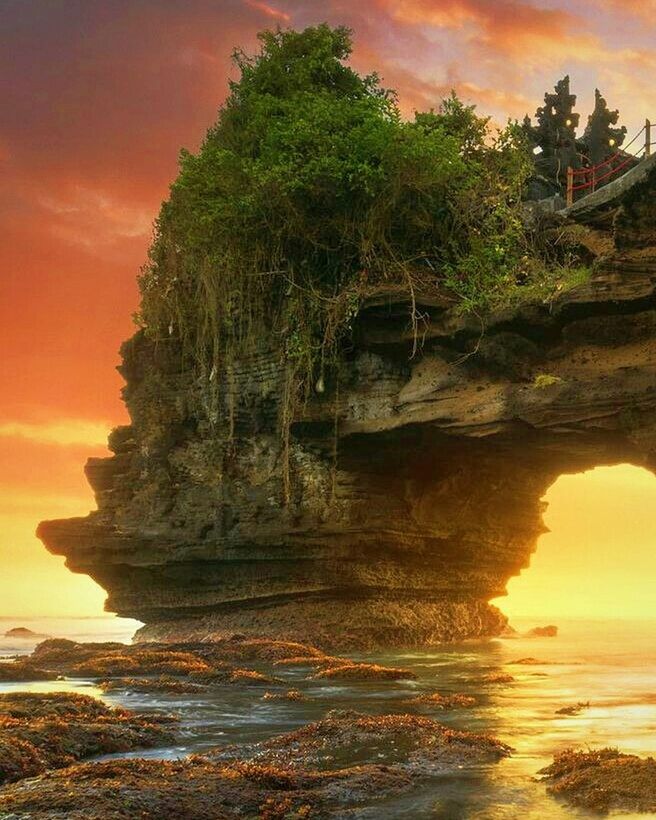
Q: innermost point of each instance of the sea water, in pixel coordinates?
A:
(107, 628)
(612, 664)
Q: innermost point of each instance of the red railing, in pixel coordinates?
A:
(588, 179)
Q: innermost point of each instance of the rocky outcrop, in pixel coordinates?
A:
(415, 479)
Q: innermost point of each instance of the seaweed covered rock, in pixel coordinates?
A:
(316, 662)
(64, 705)
(101, 660)
(530, 661)
(40, 732)
(292, 695)
(24, 671)
(417, 744)
(364, 671)
(164, 684)
(162, 658)
(574, 708)
(197, 789)
(603, 781)
(550, 631)
(497, 677)
(242, 677)
(439, 701)
(144, 661)
(63, 653)
(266, 649)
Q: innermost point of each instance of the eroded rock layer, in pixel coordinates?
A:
(408, 493)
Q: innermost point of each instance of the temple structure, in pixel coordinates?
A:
(557, 146)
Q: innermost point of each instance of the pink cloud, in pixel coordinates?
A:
(269, 11)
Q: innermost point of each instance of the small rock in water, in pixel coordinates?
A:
(530, 662)
(23, 633)
(291, 695)
(439, 701)
(497, 677)
(550, 631)
(574, 709)
(364, 671)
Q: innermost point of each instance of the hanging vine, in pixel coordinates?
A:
(310, 190)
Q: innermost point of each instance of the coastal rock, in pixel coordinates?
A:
(23, 633)
(574, 708)
(550, 631)
(439, 701)
(603, 781)
(497, 677)
(46, 731)
(529, 661)
(181, 667)
(292, 695)
(198, 789)
(409, 491)
(417, 745)
(163, 684)
(23, 671)
(363, 671)
(145, 662)
(301, 774)
(241, 677)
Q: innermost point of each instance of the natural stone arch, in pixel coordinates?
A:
(433, 499)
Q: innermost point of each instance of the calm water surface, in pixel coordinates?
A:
(611, 664)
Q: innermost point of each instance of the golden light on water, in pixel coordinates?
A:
(599, 558)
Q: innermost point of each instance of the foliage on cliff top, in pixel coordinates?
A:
(309, 190)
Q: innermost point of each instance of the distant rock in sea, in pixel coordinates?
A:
(550, 631)
(24, 633)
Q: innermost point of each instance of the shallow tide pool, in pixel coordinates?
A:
(610, 664)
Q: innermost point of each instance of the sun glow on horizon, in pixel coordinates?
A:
(35, 583)
(42, 478)
(599, 558)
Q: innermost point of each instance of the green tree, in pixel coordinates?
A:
(309, 191)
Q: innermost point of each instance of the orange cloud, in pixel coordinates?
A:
(65, 433)
(419, 94)
(525, 32)
(644, 9)
(93, 219)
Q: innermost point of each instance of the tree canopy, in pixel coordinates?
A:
(310, 189)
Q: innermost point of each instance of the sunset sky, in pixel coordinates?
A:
(98, 96)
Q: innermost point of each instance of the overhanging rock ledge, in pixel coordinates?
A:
(415, 487)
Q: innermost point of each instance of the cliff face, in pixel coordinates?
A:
(415, 482)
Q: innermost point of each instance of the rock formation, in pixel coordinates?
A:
(416, 481)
